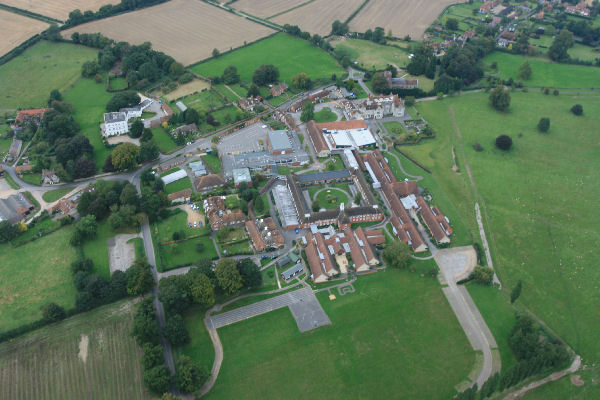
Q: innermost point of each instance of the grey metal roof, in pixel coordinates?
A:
(10, 205)
(279, 140)
(293, 270)
(320, 176)
(115, 117)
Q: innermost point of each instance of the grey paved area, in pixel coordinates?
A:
(454, 263)
(302, 303)
(120, 253)
(246, 140)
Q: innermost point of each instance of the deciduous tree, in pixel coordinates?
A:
(228, 276)
(125, 155)
(500, 98)
(397, 255)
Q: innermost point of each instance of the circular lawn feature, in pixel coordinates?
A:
(325, 115)
(331, 198)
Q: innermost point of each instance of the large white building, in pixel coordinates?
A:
(117, 123)
(354, 134)
(378, 107)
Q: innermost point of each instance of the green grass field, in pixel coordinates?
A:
(178, 185)
(185, 253)
(385, 339)
(55, 194)
(41, 228)
(88, 356)
(583, 52)
(32, 178)
(97, 249)
(28, 79)
(118, 83)
(163, 230)
(205, 100)
(394, 127)
(325, 115)
(33, 275)
(213, 162)
(544, 72)
(291, 55)
(89, 100)
(333, 199)
(539, 199)
(372, 55)
(163, 140)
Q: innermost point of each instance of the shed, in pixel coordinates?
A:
(294, 270)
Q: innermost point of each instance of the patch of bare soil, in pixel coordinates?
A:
(83, 348)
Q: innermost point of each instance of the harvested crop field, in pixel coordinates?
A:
(90, 356)
(317, 17)
(15, 29)
(187, 30)
(403, 17)
(58, 9)
(266, 8)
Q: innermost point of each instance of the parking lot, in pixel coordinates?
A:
(246, 140)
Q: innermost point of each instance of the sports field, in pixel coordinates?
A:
(187, 30)
(371, 55)
(402, 17)
(89, 100)
(58, 9)
(544, 72)
(291, 55)
(540, 199)
(395, 336)
(35, 274)
(317, 16)
(28, 79)
(16, 29)
(89, 356)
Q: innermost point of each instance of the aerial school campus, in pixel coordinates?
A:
(299, 199)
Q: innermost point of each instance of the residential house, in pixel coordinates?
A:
(249, 103)
(218, 216)
(182, 196)
(65, 207)
(208, 182)
(115, 123)
(34, 115)
(277, 90)
(579, 9)
(185, 130)
(49, 177)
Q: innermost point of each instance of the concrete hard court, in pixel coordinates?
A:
(120, 253)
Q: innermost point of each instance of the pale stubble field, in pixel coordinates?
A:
(187, 30)
(15, 29)
(58, 9)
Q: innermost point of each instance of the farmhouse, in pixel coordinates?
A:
(34, 115)
(208, 182)
(278, 89)
(264, 234)
(15, 208)
(218, 216)
(382, 106)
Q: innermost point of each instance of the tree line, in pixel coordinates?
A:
(76, 17)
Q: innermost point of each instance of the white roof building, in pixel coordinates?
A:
(175, 176)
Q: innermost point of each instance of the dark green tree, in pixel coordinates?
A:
(136, 129)
(228, 276)
(577, 109)
(397, 255)
(308, 112)
(157, 379)
(52, 312)
(175, 331)
(500, 98)
(452, 24)
(7, 231)
(558, 51)
(503, 142)
(253, 90)
(153, 356)
(544, 124)
(251, 276)
(265, 74)
(230, 75)
(189, 376)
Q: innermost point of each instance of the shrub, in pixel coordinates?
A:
(52, 312)
(483, 275)
(544, 124)
(503, 142)
(477, 146)
(577, 109)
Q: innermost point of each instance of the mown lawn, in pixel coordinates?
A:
(92, 355)
(55, 194)
(213, 162)
(544, 72)
(33, 275)
(28, 79)
(163, 139)
(325, 115)
(331, 198)
(540, 199)
(370, 54)
(89, 101)
(185, 252)
(205, 100)
(178, 185)
(291, 55)
(386, 338)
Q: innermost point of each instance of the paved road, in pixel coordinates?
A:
(452, 263)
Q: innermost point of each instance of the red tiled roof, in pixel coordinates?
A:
(343, 125)
(432, 222)
(314, 262)
(369, 253)
(316, 137)
(257, 241)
